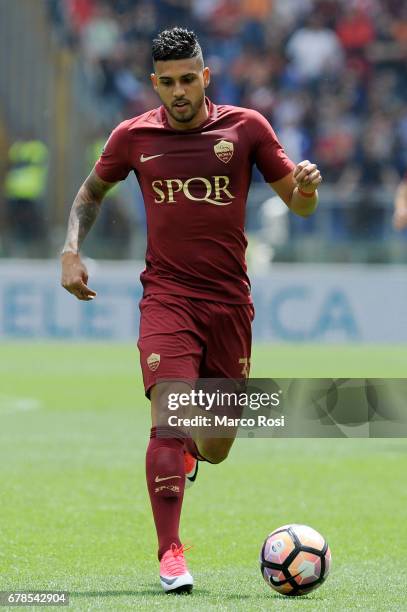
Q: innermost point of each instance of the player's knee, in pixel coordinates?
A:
(161, 394)
(214, 453)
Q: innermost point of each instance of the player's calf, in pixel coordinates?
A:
(165, 472)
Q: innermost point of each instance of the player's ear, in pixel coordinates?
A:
(153, 78)
(206, 76)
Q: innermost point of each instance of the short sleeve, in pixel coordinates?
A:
(114, 165)
(268, 153)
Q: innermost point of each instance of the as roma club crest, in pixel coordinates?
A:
(224, 151)
(153, 361)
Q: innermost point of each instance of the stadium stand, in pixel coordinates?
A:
(328, 74)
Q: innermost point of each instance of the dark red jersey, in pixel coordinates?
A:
(195, 186)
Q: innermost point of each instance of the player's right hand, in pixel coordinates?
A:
(400, 219)
(75, 277)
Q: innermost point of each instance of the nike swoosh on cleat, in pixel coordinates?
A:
(168, 580)
(144, 158)
(158, 479)
(193, 476)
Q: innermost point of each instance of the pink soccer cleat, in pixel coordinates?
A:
(174, 574)
(191, 469)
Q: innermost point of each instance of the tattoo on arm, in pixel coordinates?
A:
(82, 217)
(84, 211)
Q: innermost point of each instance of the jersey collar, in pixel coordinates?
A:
(212, 114)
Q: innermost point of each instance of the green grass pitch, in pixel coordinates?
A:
(74, 511)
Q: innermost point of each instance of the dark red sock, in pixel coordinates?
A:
(165, 474)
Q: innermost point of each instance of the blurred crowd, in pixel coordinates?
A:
(328, 74)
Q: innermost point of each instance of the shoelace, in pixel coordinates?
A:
(176, 563)
(179, 550)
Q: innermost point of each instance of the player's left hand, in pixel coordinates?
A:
(307, 176)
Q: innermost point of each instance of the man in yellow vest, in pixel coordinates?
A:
(25, 187)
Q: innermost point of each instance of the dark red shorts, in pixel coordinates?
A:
(185, 339)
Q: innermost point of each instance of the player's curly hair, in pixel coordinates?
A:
(176, 43)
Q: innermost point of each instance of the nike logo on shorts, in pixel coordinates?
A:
(144, 158)
(158, 479)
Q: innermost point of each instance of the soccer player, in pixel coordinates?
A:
(400, 205)
(193, 160)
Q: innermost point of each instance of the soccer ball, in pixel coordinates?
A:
(295, 559)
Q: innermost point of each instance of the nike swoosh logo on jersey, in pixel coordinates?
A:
(144, 158)
(158, 479)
